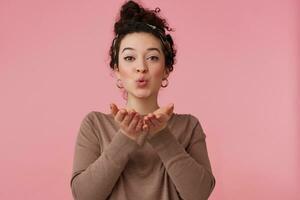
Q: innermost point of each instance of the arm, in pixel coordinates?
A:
(95, 174)
(189, 170)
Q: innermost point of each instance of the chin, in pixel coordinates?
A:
(141, 96)
(142, 93)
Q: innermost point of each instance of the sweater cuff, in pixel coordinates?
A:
(165, 144)
(120, 148)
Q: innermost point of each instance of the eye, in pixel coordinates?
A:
(128, 58)
(154, 58)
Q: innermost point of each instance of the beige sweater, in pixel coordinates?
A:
(172, 165)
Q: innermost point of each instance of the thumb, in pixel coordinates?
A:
(170, 108)
(114, 109)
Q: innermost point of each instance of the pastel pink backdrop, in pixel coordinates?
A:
(237, 70)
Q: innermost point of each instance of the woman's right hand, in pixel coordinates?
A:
(130, 121)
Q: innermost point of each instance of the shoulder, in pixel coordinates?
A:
(94, 116)
(186, 128)
(95, 121)
(188, 118)
(91, 119)
(99, 120)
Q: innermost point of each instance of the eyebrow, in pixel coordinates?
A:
(149, 49)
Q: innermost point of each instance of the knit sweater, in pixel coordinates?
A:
(171, 165)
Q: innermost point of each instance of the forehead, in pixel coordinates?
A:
(140, 41)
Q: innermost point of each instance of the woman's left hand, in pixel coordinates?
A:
(157, 121)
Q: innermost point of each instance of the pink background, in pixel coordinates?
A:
(237, 70)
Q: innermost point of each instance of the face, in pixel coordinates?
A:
(141, 56)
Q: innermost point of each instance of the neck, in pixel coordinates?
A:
(143, 106)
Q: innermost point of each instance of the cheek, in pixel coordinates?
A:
(125, 69)
(125, 72)
(157, 73)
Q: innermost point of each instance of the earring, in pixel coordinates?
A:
(119, 81)
(165, 84)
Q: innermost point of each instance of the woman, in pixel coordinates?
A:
(142, 151)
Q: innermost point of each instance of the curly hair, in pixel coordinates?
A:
(134, 18)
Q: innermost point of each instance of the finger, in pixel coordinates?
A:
(139, 125)
(134, 121)
(120, 115)
(127, 119)
(130, 110)
(113, 109)
(159, 118)
(170, 108)
(155, 121)
(167, 109)
(149, 122)
(145, 127)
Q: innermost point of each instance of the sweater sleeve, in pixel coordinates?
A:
(94, 173)
(190, 169)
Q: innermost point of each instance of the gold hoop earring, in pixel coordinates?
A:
(165, 84)
(119, 81)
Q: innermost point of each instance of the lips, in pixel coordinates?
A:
(141, 82)
(141, 79)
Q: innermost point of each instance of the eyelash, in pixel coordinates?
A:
(126, 58)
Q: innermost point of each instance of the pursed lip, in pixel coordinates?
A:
(141, 79)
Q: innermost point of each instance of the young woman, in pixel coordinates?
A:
(142, 151)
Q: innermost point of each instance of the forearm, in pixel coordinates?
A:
(98, 179)
(192, 180)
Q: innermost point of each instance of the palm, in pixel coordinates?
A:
(157, 121)
(163, 112)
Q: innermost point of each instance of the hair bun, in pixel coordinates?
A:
(131, 11)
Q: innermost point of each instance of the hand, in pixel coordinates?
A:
(157, 121)
(129, 120)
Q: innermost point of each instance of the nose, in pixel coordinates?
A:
(142, 68)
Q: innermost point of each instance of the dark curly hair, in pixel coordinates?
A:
(135, 18)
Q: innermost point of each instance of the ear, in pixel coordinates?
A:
(166, 73)
(116, 71)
